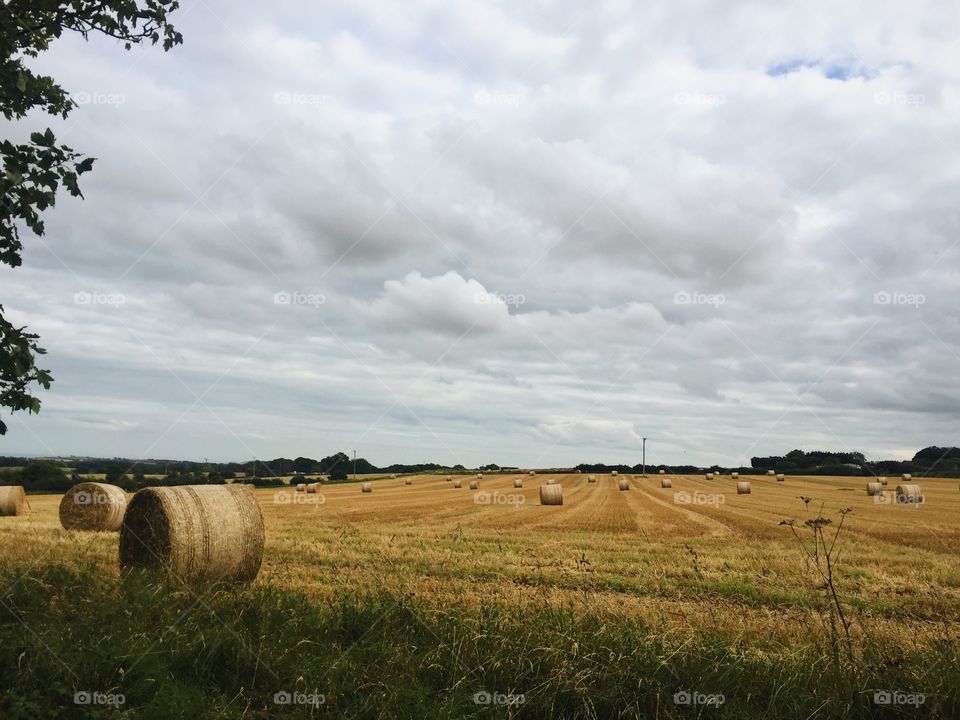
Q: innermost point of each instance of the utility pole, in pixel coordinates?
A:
(644, 457)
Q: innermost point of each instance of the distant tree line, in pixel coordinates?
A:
(933, 461)
(131, 475)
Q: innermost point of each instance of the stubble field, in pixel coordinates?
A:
(709, 578)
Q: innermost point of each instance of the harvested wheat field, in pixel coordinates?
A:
(672, 561)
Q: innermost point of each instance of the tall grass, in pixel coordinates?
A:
(219, 652)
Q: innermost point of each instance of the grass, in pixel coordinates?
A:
(225, 652)
(407, 602)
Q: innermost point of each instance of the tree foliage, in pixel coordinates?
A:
(34, 171)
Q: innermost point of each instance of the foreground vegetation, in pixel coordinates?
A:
(226, 652)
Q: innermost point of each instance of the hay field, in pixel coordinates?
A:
(721, 558)
(711, 580)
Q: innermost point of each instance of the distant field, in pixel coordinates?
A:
(718, 571)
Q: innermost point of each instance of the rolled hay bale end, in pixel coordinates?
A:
(93, 506)
(518, 483)
(366, 488)
(591, 478)
(551, 495)
(407, 481)
(743, 488)
(301, 487)
(623, 485)
(909, 494)
(710, 476)
(906, 477)
(474, 485)
(735, 475)
(874, 488)
(666, 483)
(551, 481)
(771, 473)
(781, 477)
(312, 487)
(663, 472)
(614, 473)
(194, 532)
(13, 500)
(458, 483)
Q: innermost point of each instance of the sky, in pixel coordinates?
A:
(522, 233)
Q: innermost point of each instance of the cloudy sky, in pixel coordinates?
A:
(525, 233)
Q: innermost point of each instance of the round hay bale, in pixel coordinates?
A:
(458, 483)
(449, 478)
(393, 476)
(623, 485)
(663, 472)
(312, 487)
(614, 473)
(909, 494)
(781, 477)
(479, 476)
(532, 472)
(474, 485)
(882, 480)
(735, 475)
(93, 506)
(551, 495)
(194, 532)
(907, 477)
(407, 481)
(13, 500)
(710, 476)
(743, 488)
(551, 481)
(874, 488)
(666, 483)
(771, 473)
(366, 487)
(301, 487)
(518, 483)
(591, 478)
